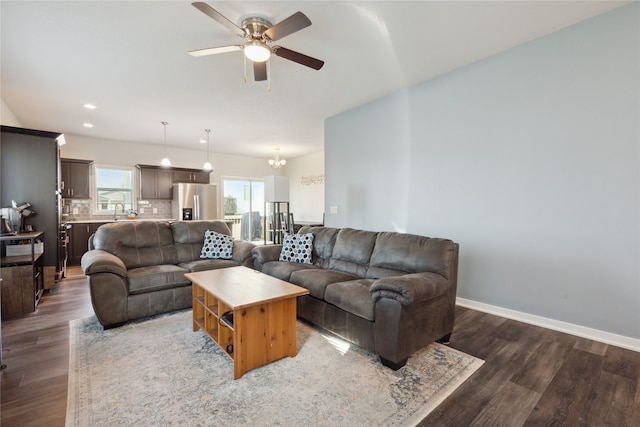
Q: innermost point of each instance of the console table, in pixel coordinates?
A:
(23, 277)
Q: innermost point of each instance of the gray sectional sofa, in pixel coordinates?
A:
(389, 293)
(136, 268)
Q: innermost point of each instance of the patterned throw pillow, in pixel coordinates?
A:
(216, 245)
(297, 248)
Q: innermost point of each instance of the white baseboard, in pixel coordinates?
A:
(556, 325)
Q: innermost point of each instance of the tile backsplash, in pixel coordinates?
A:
(81, 210)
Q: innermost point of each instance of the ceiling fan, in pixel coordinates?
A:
(259, 34)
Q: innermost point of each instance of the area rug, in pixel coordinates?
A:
(158, 372)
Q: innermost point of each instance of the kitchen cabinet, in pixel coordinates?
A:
(75, 177)
(155, 183)
(79, 240)
(191, 175)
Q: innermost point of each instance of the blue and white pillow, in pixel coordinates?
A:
(297, 248)
(217, 246)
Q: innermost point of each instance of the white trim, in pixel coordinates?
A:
(556, 325)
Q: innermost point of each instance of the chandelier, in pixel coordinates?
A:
(277, 162)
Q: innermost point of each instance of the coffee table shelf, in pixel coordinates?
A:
(205, 316)
(263, 309)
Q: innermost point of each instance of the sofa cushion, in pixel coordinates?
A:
(138, 243)
(216, 245)
(155, 278)
(352, 251)
(297, 248)
(353, 297)
(188, 237)
(317, 280)
(324, 239)
(282, 270)
(410, 254)
(208, 264)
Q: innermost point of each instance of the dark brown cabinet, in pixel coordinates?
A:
(22, 273)
(75, 177)
(155, 183)
(79, 240)
(190, 175)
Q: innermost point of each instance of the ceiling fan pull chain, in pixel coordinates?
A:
(268, 75)
(245, 69)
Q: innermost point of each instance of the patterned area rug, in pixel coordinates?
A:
(158, 372)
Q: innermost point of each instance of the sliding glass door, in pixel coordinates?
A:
(244, 205)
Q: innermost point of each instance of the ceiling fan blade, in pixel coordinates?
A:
(294, 23)
(298, 57)
(260, 71)
(214, 50)
(219, 18)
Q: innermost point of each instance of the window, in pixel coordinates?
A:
(114, 189)
(244, 205)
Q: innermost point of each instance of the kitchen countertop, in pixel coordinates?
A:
(96, 221)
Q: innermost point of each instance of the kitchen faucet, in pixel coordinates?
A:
(115, 211)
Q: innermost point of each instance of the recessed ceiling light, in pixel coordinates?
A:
(89, 106)
(87, 125)
(202, 141)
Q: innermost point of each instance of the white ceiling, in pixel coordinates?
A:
(130, 59)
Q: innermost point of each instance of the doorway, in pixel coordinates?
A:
(244, 205)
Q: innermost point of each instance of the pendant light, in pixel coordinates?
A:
(207, 165)
(165, 161)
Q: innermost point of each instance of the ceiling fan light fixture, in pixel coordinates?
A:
(257, 51)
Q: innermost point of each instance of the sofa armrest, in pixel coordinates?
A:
(410, 288)
(99, 261)
(264, 254)
(242, 252)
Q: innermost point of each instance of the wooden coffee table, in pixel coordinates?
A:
(250, 315)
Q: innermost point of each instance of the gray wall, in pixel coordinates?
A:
(529, 159)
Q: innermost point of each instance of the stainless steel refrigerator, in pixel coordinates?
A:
(195, 201)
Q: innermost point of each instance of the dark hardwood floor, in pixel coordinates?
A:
(35, 348)
(531, 376)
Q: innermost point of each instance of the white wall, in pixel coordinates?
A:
(125, 153)
(118, 153)
(7, 118)
(307, 201)
(306, 193)
(529, 159)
